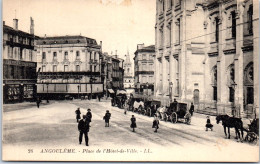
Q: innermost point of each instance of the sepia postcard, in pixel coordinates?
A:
(130, 80)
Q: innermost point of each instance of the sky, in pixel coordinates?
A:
(119, 24)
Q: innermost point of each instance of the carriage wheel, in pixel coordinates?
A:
(187, 118)
(139, 110)
(165, 117)
(174, 117)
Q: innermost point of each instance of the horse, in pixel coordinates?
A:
(231, 122)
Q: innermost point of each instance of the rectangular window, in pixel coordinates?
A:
(95, 68)
(10, 52)
(217, 29)
(231, 94)
(151, 57)
(77, 55)
(215, 93)
(66, 56)
(144, 56)
(90, 68)
(250, 19)
(12, 72)
(233, 27)
(21, 54)
(43, 56)
(30, 55)
(54, 55)
(144, 67)
(43, 68)
(55, 68)
(150, 67)
(66, 68)
(77, 68)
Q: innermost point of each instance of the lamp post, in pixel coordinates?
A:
(138, 87)
(78, 91)
(234, 86)
(47, 99)
(147, 85)
(170, 90)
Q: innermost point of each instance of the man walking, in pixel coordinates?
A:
(83, 128)
(38, 101)
(78, 114)
(191, 109)
(106, 118)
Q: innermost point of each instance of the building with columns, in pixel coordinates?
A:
(206, 53)
(19, 63)
(70, 65)
(128, 73)
(144, 69)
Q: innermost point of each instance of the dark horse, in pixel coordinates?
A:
(231, 122)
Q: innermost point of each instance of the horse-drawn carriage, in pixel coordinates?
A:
(178, 112)
(119, 100)
(150, 107)
(136, 104)
(253, 131)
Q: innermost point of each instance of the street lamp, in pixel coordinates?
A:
(147, 85)
(138, 87)
(47, 99)
(170, 89)
(78, 91)
(234, 86)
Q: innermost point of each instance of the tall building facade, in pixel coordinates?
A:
(206, 53)
(70, 65)
(128, 73)
(144, 69)
(19, 63)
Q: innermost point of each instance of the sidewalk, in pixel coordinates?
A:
(23, 105)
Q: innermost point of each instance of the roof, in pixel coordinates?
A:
(150, 48)
(67, 40)
(10, 30)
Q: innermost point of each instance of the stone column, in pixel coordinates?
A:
(221, 69)
(238, 61)
(256, 55)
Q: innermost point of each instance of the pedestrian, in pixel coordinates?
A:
(174, 104)
(38, 101)
(78, 114)
(89, 114)
(83, 128)
(191, 109)
(99, 97)
(106, 118)
(133, 123)
(208, 124)
(155, 124)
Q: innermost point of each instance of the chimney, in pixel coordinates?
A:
(140, 46)
(3, 22)
(32, 27)
(101, 46)
(116, 54)
(15, 26)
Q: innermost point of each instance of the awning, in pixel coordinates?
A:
(121, 92)
(111, 91)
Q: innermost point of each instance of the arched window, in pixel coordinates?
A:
(249, 83)
(214, 82)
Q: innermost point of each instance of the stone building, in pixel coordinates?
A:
(112, 71)
(19, 63)
(144, 69)
(117, 73)
(128, 73)
(206, 53)
(70, 65)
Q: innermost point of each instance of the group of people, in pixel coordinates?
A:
(83, 125)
